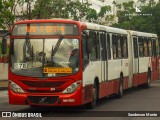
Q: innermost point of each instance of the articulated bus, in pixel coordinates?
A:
(61, 62)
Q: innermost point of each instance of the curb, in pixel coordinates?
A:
(4, 84)
(3, 88)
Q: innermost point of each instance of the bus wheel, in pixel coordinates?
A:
(148, 84)
(120, 91)
(92, 104)
(34, 106)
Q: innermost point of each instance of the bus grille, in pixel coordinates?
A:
(43, 99)
(43, 84)
(44, 91)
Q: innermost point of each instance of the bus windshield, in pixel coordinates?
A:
(45, 57)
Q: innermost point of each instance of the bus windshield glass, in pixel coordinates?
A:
(45, 29)
(45, 57)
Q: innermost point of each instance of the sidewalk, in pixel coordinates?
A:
(3, 71)
(3, 94)
(3, 76)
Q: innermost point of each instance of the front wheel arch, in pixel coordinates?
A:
(95, 94)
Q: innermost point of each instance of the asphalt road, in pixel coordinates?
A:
(136, 100)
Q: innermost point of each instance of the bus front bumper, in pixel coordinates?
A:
(46, 99)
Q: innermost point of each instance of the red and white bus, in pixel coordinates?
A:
(69, 63)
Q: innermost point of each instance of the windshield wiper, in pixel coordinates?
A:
(28, 49)
(54, 50)
(56, 46)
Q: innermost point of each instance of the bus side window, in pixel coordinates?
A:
(122, 46)
(153, 47)
(97, 47)
(108, 46)
(92, 36)
(145, 47)
(141, 46)
(84, 50)
(125, 47)
(114, 46)
(119, 47)
(149, 47)
(157, 48)
(103, 45)
(135, 47)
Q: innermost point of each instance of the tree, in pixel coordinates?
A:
(41, 9)
(14, 10)
(125, 15)
(77, 10)
(25, 9)
(92, 15)
(156, 15)
(146, 21)
(103, 17)
(7, 13)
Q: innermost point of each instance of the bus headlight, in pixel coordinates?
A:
(73, 87)
(14, 87)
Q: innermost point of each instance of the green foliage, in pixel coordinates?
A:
(6, 13)
(41, 9)
(129, 6)
(77, 10)
(92, 14)
(103, 10)
(47, 9)
(146, 21)
(156, 17)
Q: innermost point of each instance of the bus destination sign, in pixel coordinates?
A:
(45, 29)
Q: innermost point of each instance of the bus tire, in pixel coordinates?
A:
(148, 84)
(120, 91)
(34, 106)
(92, 104)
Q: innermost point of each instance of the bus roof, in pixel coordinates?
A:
(116, 30)
(105, 28)
(48, 20)
(143, 34)
(92, 26)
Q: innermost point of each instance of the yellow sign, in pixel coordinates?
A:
(50, 70)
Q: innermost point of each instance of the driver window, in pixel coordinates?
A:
(84, 50)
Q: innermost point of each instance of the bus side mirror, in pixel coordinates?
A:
(12, 47)
(4, 46)
(89, 46)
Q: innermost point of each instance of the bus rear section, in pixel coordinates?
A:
(145, 58)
